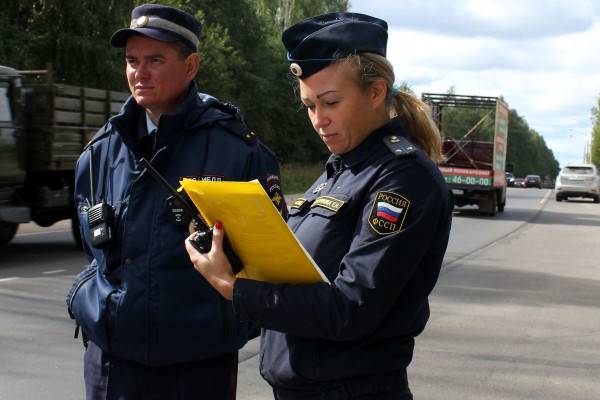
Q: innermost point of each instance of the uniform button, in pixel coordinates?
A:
(128, 260)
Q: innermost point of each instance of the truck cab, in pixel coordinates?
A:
(12, 171)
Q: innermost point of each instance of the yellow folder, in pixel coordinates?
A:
(258, 234)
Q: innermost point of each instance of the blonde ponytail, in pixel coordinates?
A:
(417, 117)
(413, 112)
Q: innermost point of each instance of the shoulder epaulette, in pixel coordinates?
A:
(238, 128)
(235, 124)
(399, 145)
(97, 136)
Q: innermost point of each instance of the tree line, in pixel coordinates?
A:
(242, 58)
(595, 147)
(242, 61)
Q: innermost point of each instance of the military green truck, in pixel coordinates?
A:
(43, 129)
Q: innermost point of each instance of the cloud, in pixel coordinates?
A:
(573, 52)
(542, 56)
(486, 18)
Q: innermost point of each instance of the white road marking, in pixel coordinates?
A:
(12, 278)
(56, 271)
(42, 233)
(545, 199)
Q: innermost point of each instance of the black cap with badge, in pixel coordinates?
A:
(160, 22)
(315, 42)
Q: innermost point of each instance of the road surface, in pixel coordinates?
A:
(514, 315)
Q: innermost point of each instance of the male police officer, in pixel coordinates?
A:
(156, 329)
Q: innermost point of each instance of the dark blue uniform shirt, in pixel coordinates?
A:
(377, 223)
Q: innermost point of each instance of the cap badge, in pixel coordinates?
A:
(142, 21)
(295, 69)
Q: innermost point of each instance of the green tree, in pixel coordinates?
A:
(14, 34)
(283, 13)
(242, 58)
(71, 35)
(406, 88)
(595, 150)
(527, 151)
(457, 122)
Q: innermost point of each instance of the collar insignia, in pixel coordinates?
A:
(320, 187)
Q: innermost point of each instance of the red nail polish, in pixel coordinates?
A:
(218, 225)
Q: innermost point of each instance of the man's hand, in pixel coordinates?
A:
(214, 265)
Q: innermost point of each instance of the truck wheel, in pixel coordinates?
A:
(8, 230)
(501, 200)
(489, 206)
(559, 197)
(597, 199)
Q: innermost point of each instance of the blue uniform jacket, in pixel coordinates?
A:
(141, 298)
(377, 222)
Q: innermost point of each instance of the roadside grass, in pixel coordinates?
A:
(296, 177)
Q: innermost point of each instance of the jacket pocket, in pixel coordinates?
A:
(82, 278)
(87, 304)
(329, 214)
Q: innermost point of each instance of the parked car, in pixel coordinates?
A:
(533, 181)
(510, 179)
(548, 183)
(578, 181)
(519, 182)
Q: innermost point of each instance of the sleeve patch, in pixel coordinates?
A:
(388, 213)
(274, 190)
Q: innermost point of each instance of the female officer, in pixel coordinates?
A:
(380, 243)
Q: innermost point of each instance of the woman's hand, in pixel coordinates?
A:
(214, 265)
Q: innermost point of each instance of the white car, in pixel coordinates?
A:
(578, 181)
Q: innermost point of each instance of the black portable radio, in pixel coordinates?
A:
(100, 224)
(100, 216)
(202, 241)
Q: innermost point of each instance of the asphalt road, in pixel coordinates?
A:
(514, 315)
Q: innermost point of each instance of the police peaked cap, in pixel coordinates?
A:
(160, 22)
(313, 43)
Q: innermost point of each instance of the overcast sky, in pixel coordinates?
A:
(543, 56)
